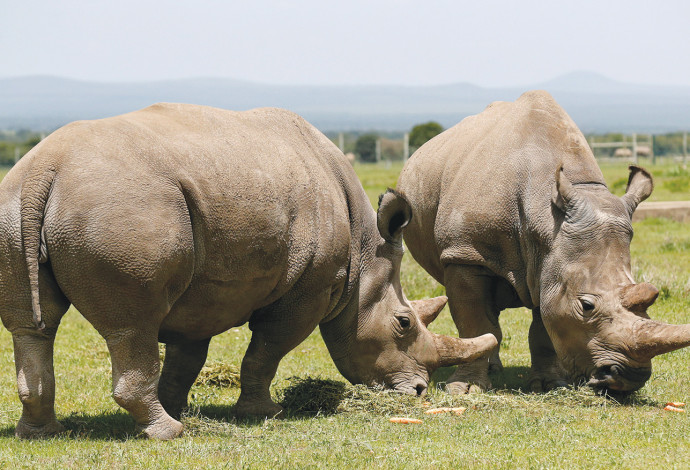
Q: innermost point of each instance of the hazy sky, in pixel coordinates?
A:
(489, 43)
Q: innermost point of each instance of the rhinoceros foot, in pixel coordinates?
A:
(164, 428)
(472, 379)
(543, 382)
(25, 430)
(246, 409)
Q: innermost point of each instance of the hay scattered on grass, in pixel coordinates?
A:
(219, 375)
(314, 396)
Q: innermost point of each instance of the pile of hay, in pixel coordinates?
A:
(217, 374)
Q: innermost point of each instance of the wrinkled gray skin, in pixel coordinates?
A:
(178, 222)
(511, 209)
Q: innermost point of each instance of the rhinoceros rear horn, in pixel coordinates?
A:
(640, 186)
(639, 297)
(653, 338)
(453, 351)
(393, 215)
(428, 309)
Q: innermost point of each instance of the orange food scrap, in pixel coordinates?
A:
(677, 404)
(406, 420)
(426, 404)
(674, 408)
(434, 411)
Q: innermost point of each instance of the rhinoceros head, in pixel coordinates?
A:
(393, 347)
(594, 312)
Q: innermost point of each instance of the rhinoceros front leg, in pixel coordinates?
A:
(183, 362)
(134, 354)
(275, 332)
(546, 373)
(33, 355)
(474, 311)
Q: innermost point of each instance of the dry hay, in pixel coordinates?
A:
(217, 374)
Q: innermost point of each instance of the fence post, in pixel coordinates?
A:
(406, 146)
(378, 150)
(651, 148)
(634, 147)
(341, 142)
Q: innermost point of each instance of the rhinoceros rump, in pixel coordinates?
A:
(178, 222)
(512, 210)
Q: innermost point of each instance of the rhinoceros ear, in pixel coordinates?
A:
(564, 194)
(640, 186)
(393, 215)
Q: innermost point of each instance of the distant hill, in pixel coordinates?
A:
(596, 103)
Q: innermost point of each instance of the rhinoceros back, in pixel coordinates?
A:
(481, 191)
(228, 210)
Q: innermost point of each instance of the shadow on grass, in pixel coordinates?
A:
(514, 380)
(110, 426)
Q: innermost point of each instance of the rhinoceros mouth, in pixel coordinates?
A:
(619, 379)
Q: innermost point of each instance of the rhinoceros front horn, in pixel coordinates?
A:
(453, 351)
(653, 338)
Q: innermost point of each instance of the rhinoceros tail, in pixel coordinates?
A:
(34, 196)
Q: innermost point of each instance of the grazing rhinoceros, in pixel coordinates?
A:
(178, 222)
(510, 209)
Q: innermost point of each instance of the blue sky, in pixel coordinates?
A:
(489, 43)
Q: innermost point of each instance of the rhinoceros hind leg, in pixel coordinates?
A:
(36, 385)
(470, 298)
(183, 362)
(134, 354)
(547, 372)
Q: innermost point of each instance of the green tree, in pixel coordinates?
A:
(421, 133)
(365, 147)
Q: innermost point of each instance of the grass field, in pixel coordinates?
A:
(333, 424)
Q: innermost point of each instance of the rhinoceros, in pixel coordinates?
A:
(511, 209)
(177, 222)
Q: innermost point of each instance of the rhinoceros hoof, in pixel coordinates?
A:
(463, 388)
(544, 384)
(164, 428)
(28, 431)
(258, 410)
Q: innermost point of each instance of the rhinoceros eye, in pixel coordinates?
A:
(404, 321)
(587, 306)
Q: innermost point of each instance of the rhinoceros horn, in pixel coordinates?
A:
(638, 297)
(453, 351)
(428, 309)
(653, 338)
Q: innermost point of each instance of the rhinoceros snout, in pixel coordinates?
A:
(618, 378)
(416, 387)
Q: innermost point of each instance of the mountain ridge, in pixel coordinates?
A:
(596, 103)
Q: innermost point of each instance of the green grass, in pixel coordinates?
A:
(333, 424)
